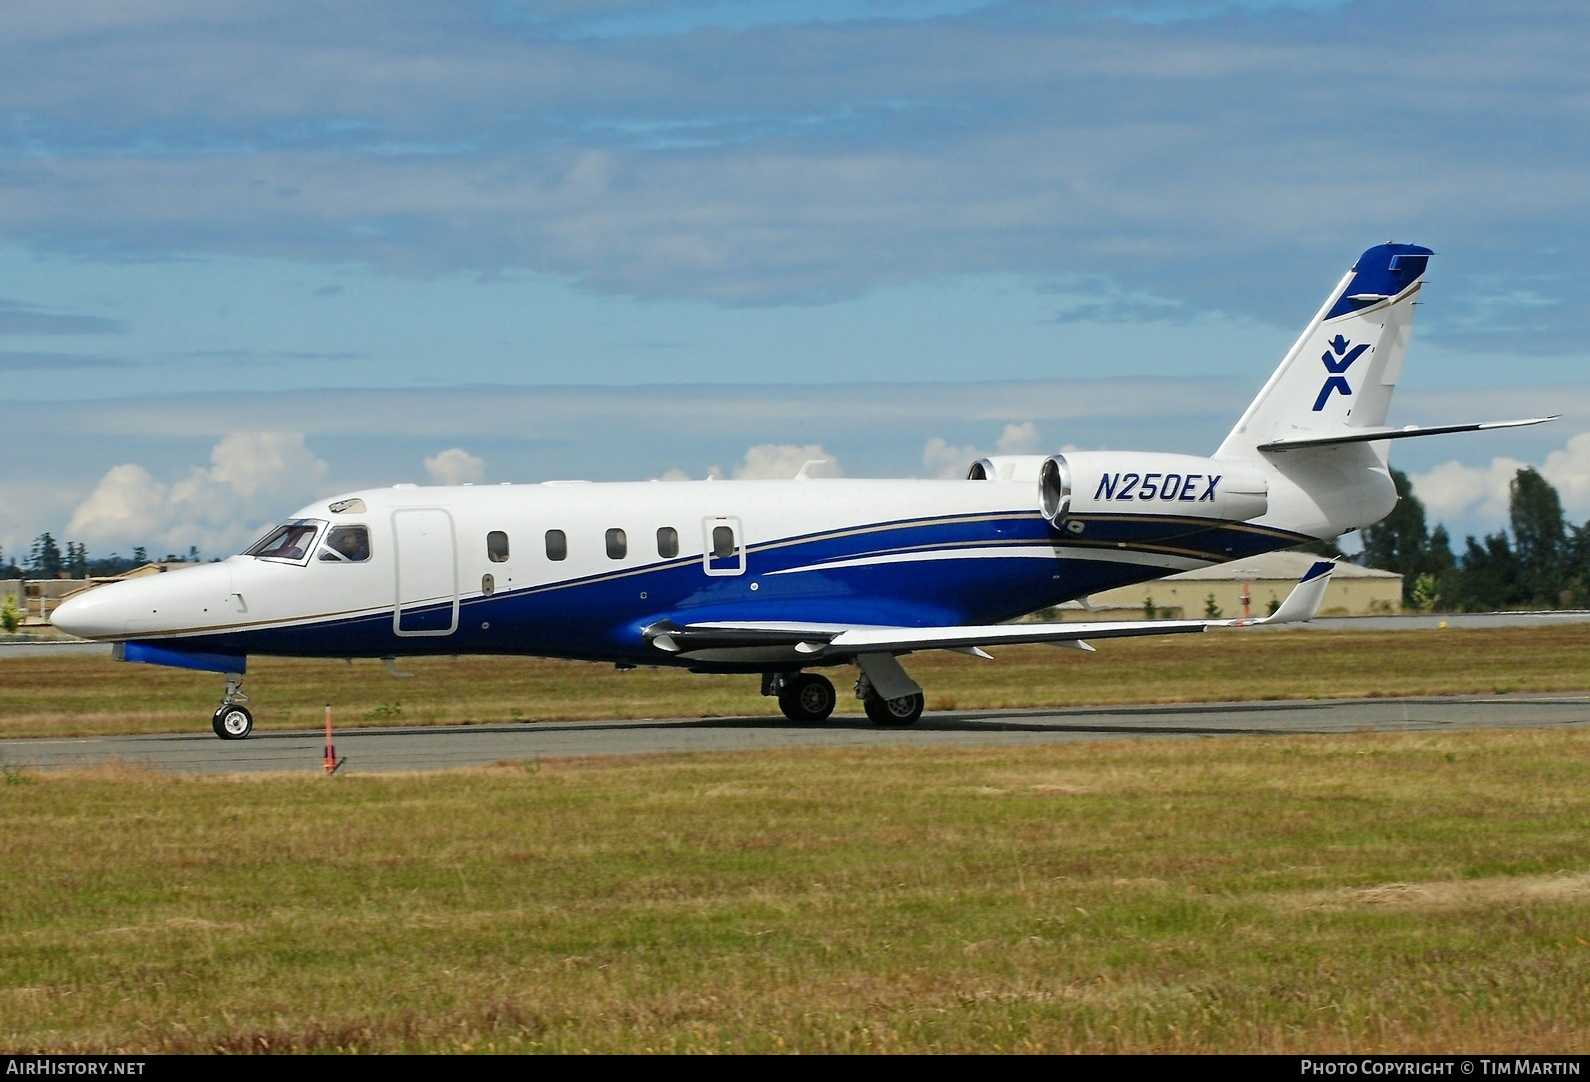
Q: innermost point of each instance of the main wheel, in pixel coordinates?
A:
(894, 713)
(807, 698)
(232, 722)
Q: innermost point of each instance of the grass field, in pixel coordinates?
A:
(70, 696)
(1405, 892)
(1353, 894)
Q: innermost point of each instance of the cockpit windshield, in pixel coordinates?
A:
(291, 541)
(346, 544)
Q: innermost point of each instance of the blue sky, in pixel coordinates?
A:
(254, 252)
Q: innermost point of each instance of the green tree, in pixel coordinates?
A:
(1576, 566)
(1211, 610)
(10, 615)
(44, 559)
(76, 560)
(1443, 569)
(1487, 578)
(1540, 538)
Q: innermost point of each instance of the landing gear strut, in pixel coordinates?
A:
(804, 697)
(233, 722)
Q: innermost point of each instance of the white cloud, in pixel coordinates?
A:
(127, 502)
(773, 461)
(455, 466)
(1481, 493)
(253, 478)
(1019, 439)
(250, 463)
(1569, 471)
(941, 458)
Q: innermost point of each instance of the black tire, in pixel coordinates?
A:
(898, 713)
(232, 722)
(807, 698)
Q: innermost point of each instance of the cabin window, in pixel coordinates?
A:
(557, 545)
(667, 542)
(722, 542)
(287, 542)
(346, 544)
(617, 544)
(497, 547)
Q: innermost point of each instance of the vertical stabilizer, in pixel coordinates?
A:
(1339, 375)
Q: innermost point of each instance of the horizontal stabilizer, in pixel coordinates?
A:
(1372, 435)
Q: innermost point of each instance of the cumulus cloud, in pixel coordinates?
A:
(127, 502)
(1569, 470)
(940, 458)
(1453, 490)
(774, 461)
(253, 478)
(455, 466)
(1019, 439)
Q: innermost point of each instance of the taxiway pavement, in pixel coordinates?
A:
(437, 747)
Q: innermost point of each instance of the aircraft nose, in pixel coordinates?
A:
(80, 616)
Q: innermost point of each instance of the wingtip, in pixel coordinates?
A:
(1318, 568)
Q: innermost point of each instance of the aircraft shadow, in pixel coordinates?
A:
(1176, 721)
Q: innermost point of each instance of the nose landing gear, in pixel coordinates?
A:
(233, 722)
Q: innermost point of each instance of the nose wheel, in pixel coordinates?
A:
(231, 721)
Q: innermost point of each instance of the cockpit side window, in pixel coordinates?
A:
(290, 541)
(346, 544)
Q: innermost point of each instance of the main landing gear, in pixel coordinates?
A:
(231, 721)
(807, 698)
(804, 697)
(898, 713)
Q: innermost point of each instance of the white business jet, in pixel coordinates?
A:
(782, 578)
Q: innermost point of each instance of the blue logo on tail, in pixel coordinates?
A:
(1337, 364)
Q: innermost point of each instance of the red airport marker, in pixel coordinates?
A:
(332, 762)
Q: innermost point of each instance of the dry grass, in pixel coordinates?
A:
(1363, 893)
(85, 696)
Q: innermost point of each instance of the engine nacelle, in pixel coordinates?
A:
(1007, 468)
(1081, 486)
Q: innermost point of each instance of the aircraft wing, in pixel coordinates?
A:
(829, 641)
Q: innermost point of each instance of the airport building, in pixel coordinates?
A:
(1259, 583)
(37, 598)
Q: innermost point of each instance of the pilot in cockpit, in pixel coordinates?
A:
(351, 543)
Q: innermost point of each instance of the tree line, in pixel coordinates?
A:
(47, 560)
(1544, 563)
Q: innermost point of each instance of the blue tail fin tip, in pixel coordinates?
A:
(1382, 271)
